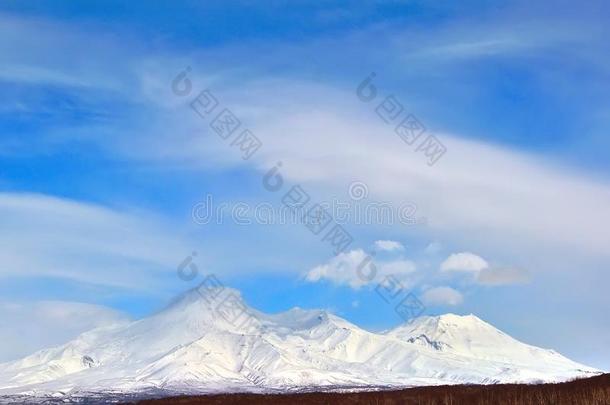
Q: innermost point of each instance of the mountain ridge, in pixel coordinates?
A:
(193, 346)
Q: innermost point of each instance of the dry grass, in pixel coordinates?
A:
(590, 391)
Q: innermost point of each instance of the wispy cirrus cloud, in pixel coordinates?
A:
(465, 198)
(45, 236)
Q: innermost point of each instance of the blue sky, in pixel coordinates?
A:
(101, 164)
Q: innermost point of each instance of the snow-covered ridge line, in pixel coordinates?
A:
(190, 348)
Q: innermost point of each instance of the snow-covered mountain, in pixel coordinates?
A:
(200, 343)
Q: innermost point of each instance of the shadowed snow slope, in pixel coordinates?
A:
(209, 341)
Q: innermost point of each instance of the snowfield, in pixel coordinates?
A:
(190, 347)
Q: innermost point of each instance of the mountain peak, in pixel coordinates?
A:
(451, 315)
(205, 307)
(449, 320)
(460, 320)
(446, 323)
(195, 344)
(207, 295)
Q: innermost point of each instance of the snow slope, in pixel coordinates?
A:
(192, 346)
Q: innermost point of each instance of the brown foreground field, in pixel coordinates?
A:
(590, 391)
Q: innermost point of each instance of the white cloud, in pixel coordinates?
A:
(484, 273)
(54, 237)
(466, 262)
(442, 296)
(31, 326)
(464, 195)
(341, 269)
(356, 269)
(502, 276)
(388, 245)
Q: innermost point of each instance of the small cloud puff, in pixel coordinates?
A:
(466, 262)
(388, 245)
(483, 273)
(357, 269)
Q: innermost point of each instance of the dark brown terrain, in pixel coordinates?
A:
(590, 391)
